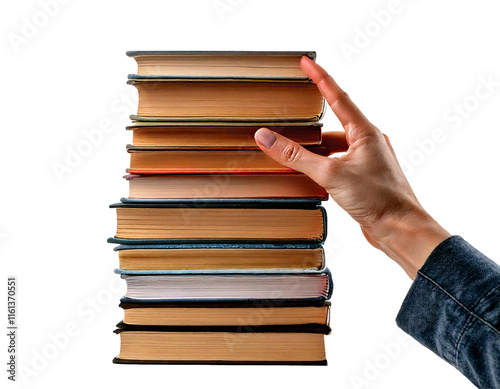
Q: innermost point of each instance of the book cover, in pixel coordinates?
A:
(256, 222)
(219, 64)
(284, 284)
(206, 100)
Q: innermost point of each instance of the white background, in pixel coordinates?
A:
(68, 76)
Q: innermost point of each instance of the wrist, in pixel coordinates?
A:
(410, 239)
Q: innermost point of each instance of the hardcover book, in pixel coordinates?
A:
(220, 256)
(216, 100)
(224, 186)
(218, 135)
(220, 64)
(173, 160)
(275, 345)
(226, 313)
(190, 222)
(161, 285)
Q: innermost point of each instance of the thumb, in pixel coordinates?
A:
(290, 153)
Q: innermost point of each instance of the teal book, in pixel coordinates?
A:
(199, 256)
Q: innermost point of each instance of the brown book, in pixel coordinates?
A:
(225, 314)
(191, 258)
(171, 160)
(206, 134)
(224, 186)
(209, 100)
(289, 345)
(232, 64)
(178, 222)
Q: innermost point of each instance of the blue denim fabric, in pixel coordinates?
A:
(453, 308)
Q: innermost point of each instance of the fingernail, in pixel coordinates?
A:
(265, 137)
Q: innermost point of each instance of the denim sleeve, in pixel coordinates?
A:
(453, 308)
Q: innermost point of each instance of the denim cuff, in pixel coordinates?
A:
(456, 291)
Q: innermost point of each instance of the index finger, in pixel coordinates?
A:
(348, 113)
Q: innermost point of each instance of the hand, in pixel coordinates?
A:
(367, 181)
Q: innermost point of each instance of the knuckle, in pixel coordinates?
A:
(336, 97)
(343, 96)
(378, 133)
(291, 153)
(364, 136)
(324, 78)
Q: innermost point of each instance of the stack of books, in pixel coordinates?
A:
(221, 246)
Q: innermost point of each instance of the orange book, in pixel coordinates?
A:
(218, 135)
(172, 160)
(224, 186)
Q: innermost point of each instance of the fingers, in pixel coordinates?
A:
(290, 153)
(348, 113)
(334, 141)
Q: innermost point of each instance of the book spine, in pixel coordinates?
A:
(325, 223)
